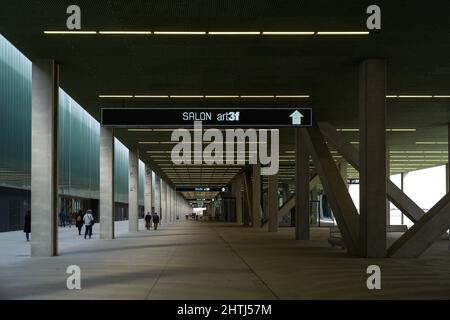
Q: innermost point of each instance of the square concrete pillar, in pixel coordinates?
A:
(133, 190)
(237, 190)
(301, 187)
(447, 180)
(44, 158)
(106, 183)
(256, 196)
(372, 153)
(164, 213)
(388, 176)
(157, 188)
(148, 190)
(173, 204)
(272, 200)
(169, 203)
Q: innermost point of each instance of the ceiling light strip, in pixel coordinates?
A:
(342, 33)
(125, 32)
(70, 32)
(212, 33)
(179, 32)
(130, 96)
(229, 33)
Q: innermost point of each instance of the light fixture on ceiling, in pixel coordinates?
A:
(186, 96)
(125, 32)
(179, 32)
(221, 97)
(288, 33)
(263, 97)
(116, 96)
(415, 96)
(70, 32)
(431, 142)
(343, 33)
(213, 33)
(150, 96)
(293, 96)
(228, 33)
(103, 96)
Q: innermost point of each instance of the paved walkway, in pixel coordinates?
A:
(202, 260)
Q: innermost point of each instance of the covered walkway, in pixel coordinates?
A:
(200, 260)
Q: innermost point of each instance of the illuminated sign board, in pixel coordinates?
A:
(202, 189)
(223, 117)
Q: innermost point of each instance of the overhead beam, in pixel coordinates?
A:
(350, 153)
(340, 201)
(424, 232)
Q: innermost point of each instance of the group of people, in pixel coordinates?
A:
(149, 219)
(87, 220)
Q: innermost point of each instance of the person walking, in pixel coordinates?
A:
(88, 220)
(69, 218)
(62, 218)
(155, 221)
(27, 225)
(79, 221)
(148, 221)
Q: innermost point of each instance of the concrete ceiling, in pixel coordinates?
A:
(414, 39)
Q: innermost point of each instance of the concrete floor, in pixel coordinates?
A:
(204, 260)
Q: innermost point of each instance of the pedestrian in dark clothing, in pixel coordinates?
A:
(79, 221)
(27, 225)
(148, 221)
(62, 218)
(155, 221)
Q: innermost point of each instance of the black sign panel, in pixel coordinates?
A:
(202, 189)
(223, 117)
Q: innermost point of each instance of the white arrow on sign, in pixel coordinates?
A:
(296, 117)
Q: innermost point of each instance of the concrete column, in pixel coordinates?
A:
(246, 178)
(301, 187)
(44, 158)
(164, 200)
(372, 154)
(162, 209)
(256, 196)
(388, 176)
(237, 189)
(169, 213)
(172, 203)
(447, 184)
(447, 172)
(148, 190)
(272, 202)
(133, 190)
(106, 183)
(402, 181)
(157, 195)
